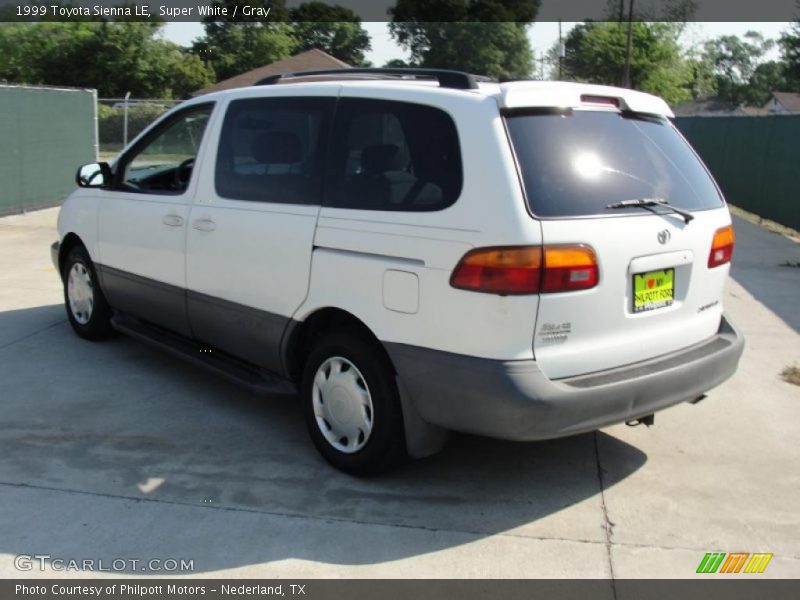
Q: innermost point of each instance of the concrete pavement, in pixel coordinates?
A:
(114, 450)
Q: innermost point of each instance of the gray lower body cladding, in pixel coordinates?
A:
(515, 400)
(511, 400)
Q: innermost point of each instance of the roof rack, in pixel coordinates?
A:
(448, 79)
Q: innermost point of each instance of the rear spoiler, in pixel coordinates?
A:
(561, 95)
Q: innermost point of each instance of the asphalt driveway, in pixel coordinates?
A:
(114, 450)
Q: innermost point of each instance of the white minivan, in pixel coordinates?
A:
(417, 251)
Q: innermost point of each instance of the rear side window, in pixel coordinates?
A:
(393, 156)
(575, 164)
(271, 150)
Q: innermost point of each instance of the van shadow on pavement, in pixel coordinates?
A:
(118, 420)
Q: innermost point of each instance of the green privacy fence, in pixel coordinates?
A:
(755, 160)
(45, 134)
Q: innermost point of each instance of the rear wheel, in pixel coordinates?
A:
(352, 406)
(87, 309)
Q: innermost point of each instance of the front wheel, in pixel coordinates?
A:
(87, 309)
(352, 406)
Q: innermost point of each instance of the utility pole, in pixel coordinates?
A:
(561, 52)
(125, 122)
(626, 74)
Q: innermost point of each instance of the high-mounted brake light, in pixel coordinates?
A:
(600, 100)
(722, 247)
(513, 270)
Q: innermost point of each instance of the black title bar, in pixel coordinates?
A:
(380, 10)
(387, 589)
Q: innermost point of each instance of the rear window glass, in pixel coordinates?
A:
(577, 163)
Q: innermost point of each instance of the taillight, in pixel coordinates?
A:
(569, 268)
(527, 269)
(507, 270)
(722, 247)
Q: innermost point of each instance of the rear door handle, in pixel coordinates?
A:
(172, 220)
(204, 225)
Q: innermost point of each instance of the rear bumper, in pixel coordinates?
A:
(514, 400)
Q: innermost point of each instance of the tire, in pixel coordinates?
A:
(352, 405)
(87, 309)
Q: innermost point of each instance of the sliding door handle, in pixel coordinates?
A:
(204, 225)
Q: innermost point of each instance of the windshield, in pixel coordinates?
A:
(577, 163)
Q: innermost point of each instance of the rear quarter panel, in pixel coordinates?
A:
(355, 248)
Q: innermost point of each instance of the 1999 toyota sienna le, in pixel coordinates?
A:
(418, 251)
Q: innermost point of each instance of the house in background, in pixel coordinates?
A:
(304, 61)
(704, 105)
(714, 106)
(783, 102)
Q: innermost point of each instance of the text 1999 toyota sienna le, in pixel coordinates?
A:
(419, 251)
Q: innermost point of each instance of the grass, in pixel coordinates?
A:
(791, 374)
(108, 152)
(106, 156)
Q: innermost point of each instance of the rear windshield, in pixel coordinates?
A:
(579, 162)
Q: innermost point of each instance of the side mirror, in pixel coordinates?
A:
(94, 175)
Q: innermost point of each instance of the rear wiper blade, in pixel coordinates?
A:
(648, 202)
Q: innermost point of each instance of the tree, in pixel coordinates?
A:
(768, 77)
(595, 53)
(396, 63)
(734, 61)
(790, 52)
(115, 58)
(180, 72)
(485, 37)
(331, 28)
(233, 47)
(701, 80)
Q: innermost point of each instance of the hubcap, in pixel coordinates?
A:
(342, 405)
(80, 293)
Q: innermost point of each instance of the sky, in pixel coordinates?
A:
(542, 36)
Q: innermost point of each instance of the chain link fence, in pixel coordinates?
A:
(119, 120)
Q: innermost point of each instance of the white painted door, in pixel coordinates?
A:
(142, 221)
(251, 231)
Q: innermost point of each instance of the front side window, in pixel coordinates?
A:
(271, 150)
(393, 156)
(163, 161)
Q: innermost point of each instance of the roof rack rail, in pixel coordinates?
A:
(449, 79)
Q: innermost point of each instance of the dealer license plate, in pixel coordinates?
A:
(654, 289)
